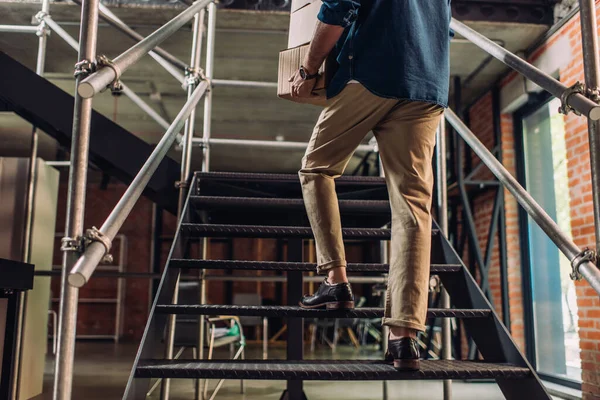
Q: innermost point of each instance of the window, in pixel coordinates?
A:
(553, 308)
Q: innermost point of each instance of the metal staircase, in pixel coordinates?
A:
(270, 206)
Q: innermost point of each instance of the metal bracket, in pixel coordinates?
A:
(585, 256)
(116, 87)
(94, 235)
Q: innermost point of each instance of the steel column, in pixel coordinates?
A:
(442, 200)
(591, 63)
(82, 113)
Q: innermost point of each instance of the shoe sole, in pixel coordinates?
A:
(407, 365)
(336, 305)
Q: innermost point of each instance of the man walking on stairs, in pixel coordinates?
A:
(393, 79)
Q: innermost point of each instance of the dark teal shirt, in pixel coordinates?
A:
(395, 48)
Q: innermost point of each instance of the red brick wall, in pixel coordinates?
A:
(582, 221)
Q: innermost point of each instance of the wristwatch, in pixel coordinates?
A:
(305, 75)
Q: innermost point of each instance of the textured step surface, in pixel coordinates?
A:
(324, 370)
(256, 231)
(297, 312)
(292, 266)
(284, 178)
(346, 206)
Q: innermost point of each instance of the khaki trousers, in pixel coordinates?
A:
(405, 133)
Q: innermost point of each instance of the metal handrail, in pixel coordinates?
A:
(577, 101)
(89, 260)
(99, 80)
(588, 269)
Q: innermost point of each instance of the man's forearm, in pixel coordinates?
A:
(324, 38)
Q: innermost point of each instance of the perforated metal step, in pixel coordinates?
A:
(292, 266)
(275, 204)
(324, 370)
(256, 231)
(285, 178)
(298, 312)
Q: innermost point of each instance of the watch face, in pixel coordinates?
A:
(302, 73)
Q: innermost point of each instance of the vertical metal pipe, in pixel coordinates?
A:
(82, 113)
(42, 32)
(186, 160)
(442, 199)
(591, 63)
(210, 61)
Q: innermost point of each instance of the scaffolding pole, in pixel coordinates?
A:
(591, 63)
(442, 199)
(186, 162)
(63, 379)
(42, 33)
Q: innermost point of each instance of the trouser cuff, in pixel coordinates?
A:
(400, 323)
(324, 268)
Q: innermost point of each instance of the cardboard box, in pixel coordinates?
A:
(290, 61)
(298, 4)
(302, 24)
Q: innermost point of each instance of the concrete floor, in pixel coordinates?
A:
(102, 369)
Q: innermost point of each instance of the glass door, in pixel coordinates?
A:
(553, 292)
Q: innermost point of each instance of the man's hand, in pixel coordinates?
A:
(302, 88)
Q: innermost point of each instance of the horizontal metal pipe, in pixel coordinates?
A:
(18, 29)
(579, 102)
(58, 163)
(99, 80)
(87, 263)
(254, 84)
(126, 90)
(590, 272)
(270, 144)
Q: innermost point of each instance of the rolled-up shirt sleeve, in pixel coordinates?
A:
(339, 12)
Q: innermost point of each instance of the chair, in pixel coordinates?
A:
(254, 299)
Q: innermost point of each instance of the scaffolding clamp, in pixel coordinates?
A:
(565, 108)
(72, 244)
(95, 235)
(43, 29)
(193, 77)
(182, 185)
(584, 256)
(116, 87)
(84, 68)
